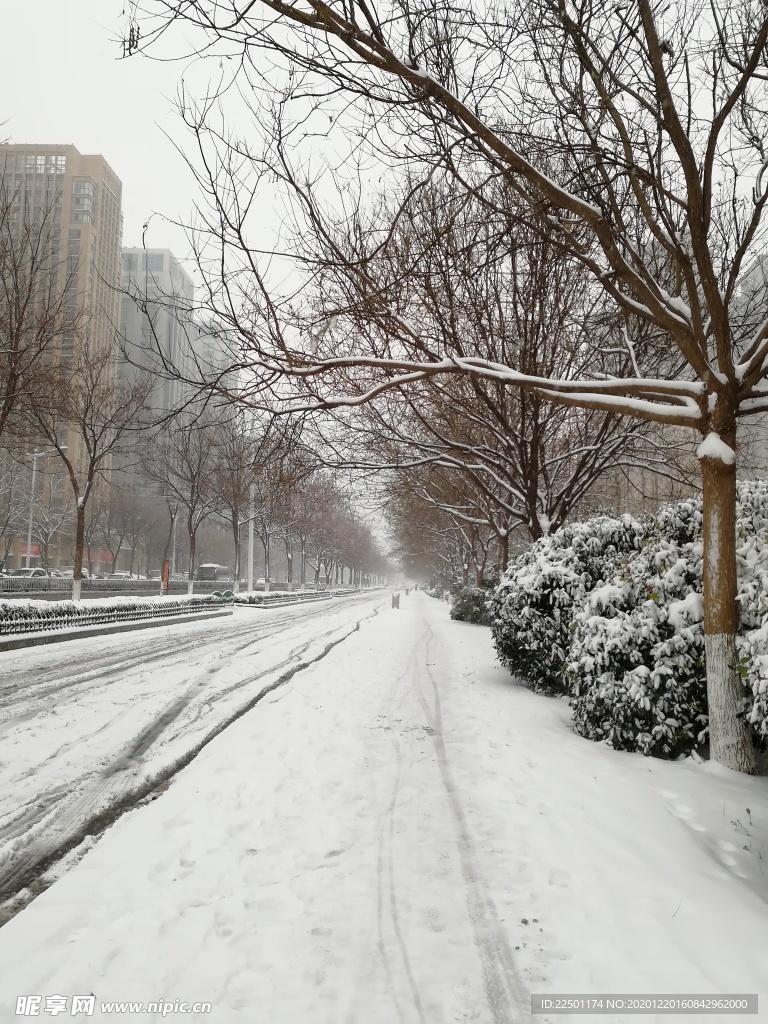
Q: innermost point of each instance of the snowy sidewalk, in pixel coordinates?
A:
(402, 835)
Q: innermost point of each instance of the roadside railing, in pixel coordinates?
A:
(34, 616)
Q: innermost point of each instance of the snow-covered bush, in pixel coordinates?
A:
(752, 556)
(533, 605)
(472, 604)
(636, 658)
(610, 611)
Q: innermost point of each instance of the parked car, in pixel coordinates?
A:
(119, 576)
(37, 571)
(69, 572)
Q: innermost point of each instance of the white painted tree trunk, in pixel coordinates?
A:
(729, 735)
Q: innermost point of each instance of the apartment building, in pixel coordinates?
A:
(80, 196)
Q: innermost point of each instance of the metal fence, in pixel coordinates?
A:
(17, 619)
(31, 586)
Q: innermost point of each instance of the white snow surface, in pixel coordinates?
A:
(714, 447)
(89, 724)
(402, 834)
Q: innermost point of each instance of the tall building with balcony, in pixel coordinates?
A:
(84, 197)
(79, 197)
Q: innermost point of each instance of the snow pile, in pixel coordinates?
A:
(472, 604)
(30, 616)
(616, 622)
(533, 605)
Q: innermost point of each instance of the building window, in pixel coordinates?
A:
(154, 262)
(82, 188)
(40, 163)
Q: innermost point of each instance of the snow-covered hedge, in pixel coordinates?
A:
(281, 596)
(533, 604)
(632, 639)
(472, 604)
(29, 616)
(636, 657)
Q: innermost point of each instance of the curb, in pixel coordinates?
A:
(35, 640)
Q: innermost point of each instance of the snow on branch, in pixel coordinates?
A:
(714, 447)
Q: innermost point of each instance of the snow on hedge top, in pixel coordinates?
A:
(714, 447)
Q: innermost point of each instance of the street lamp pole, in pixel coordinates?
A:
(251, 516)
(173, 547)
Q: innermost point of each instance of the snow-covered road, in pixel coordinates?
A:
(90, 726)
(401, 834)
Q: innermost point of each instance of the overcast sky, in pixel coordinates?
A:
(62, 81)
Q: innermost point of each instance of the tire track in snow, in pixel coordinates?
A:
(506, 993)
(17, 830)
(94, 808)
(387, 908)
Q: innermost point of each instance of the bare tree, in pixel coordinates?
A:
(253, 455)
(54, 509)
(35, 313)
(119, 521)
(85, 407)
(183, 464)
(13, 501)
(654, 120)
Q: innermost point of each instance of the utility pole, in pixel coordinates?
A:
(251, 517)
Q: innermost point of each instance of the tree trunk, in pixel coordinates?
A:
(77, 572)
(730, 739)
(289, 561)
(191, 580)
(303, 564)
(165, 558)
(503, 552)
(236, 534)
(236, 580)
(266, 563)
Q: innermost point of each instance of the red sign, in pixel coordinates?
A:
(34, 550)
(89, 554)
